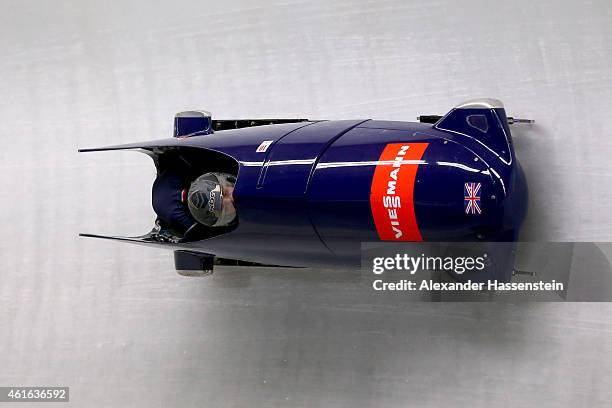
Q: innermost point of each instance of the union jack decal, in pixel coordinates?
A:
(471, 198)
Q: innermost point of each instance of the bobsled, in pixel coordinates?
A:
(309, 192)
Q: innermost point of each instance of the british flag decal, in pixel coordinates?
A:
(471, 198)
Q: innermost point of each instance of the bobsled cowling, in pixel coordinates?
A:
(308, 193)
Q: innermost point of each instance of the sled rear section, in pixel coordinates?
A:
(267, 231)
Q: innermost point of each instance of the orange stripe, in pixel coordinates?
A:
(392, 192)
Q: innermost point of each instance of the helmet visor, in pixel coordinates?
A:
(208, 201)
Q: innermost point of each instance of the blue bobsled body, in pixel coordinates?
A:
(308, 193)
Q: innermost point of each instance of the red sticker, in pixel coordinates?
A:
(264, 146)
(392, 192)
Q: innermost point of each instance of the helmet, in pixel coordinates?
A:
(205, 199)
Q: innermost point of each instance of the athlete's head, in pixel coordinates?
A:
(210, 199)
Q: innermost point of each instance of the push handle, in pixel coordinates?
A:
(436, 118)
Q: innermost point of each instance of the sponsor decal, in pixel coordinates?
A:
(213, 198)
(211, 202)
(392, 192)
(264, 146)
(471, 198)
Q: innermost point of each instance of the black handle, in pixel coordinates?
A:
(429, 118)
